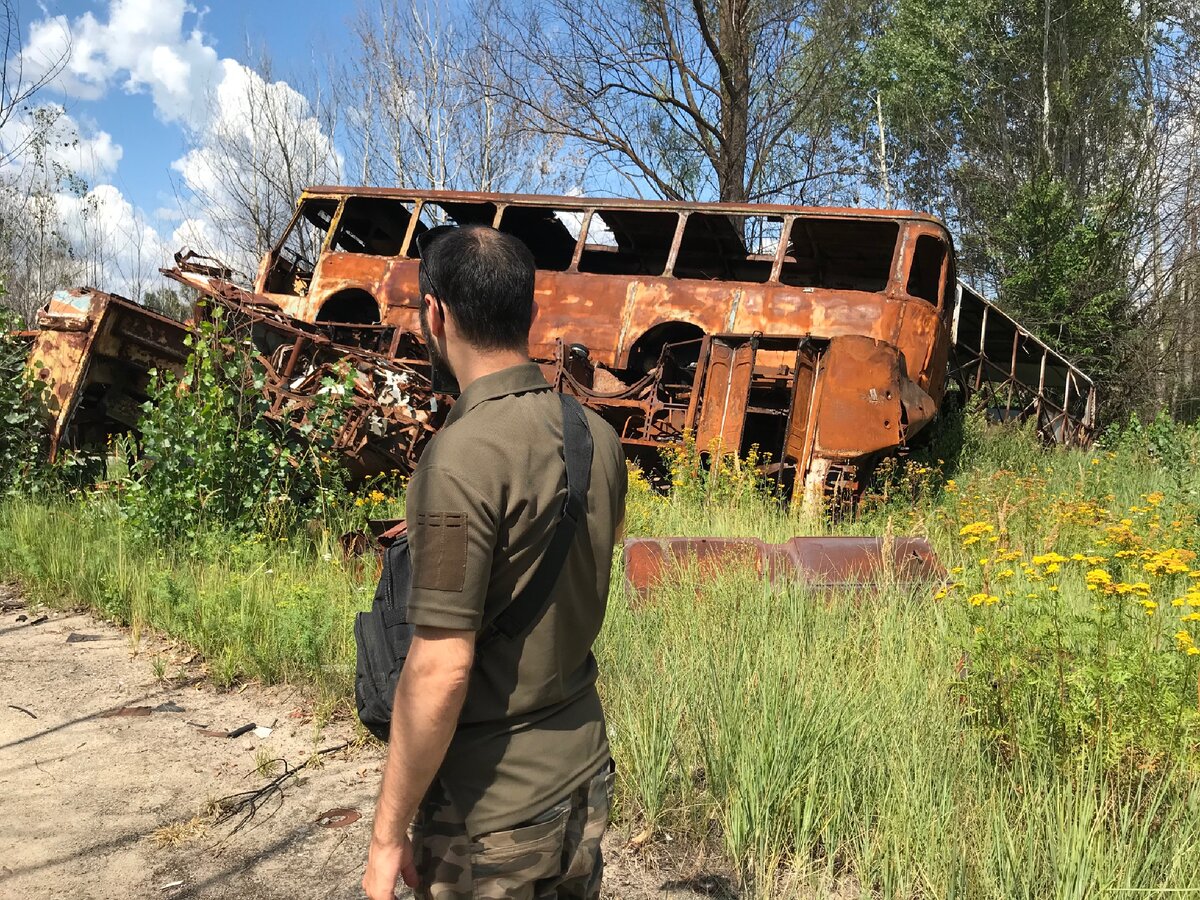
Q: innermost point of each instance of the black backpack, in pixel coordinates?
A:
(382, 635)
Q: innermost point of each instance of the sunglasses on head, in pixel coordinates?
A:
(425, 240)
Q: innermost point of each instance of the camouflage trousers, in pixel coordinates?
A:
(555, 856)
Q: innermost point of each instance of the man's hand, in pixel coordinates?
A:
(429, 698)
(385, 864)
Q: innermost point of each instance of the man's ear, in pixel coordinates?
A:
(534, 314)
(435, 315)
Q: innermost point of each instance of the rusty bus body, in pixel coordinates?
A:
(819, 336)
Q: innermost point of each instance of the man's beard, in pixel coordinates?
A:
(441, 377)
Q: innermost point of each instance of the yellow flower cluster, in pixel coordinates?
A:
(1172, 561)
(374, 498)
(1154, 541)
(1185, 643)
(974, 532)
(983, 599)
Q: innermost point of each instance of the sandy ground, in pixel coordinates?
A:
(98, 806)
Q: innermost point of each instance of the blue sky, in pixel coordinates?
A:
(293, 34)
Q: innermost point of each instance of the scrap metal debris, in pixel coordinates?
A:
(338, 818)
(243, 806)
(819, 340)
(94, 354)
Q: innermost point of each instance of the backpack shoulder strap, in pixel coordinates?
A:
(528, 606)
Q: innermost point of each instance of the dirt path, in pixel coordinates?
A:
(99, 806)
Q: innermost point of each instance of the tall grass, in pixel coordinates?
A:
(277, 611)
(817, 741)
(895, 743)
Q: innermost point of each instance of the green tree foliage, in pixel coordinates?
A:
(213, 459)
(22, 429)
(1029, 125)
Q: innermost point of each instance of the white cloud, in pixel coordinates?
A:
(48, 134)
(144, 42)
(230, 113)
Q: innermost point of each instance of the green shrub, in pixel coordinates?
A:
(211, 458)
(23, 434)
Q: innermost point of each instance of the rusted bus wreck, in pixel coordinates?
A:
(820, 336)
(825, 338)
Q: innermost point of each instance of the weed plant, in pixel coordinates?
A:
(1026, 728)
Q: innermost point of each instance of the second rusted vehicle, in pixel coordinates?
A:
(818, 336)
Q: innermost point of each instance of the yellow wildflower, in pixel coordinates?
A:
(1173, 561)
(975, 529)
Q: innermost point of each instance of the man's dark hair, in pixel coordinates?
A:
(485, 279)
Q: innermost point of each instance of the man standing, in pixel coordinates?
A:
(498, 749)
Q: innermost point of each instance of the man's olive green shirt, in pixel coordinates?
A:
(481, 507)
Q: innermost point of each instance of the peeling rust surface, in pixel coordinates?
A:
(94, 353)
(818, 562)
(823, 339)
(819, 336)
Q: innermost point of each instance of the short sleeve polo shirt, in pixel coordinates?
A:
(481, 507)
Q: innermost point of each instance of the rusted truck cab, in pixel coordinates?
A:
(819, 336)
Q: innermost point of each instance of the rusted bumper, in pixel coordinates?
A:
(820, 562)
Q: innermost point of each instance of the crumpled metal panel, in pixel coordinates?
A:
(94, 352)
(820, 562)
(391, 411)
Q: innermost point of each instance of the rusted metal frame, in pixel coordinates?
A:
(1041, 389)
(585, 228)
(1067, 401)
(1059, 357)
(334, 223)
(693, 408)
(982, 345)
(578, 203)
(810, 428)
(901, 261)
(1012, 365)
(63, 421)
(1050, 413)
(957, 314)
(785, 233)
(681, 221)
(288, 230)
(787, 425)
(410, 231)
(944, 280)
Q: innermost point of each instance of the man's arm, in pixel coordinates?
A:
(429, 698)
